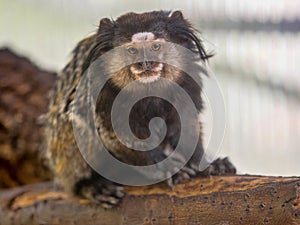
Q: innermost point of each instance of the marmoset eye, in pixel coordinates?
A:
(156, 46)
(132, 50)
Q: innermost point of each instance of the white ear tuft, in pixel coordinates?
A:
(176, 14)
(171, 13)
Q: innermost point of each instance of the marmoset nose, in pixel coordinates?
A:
(147, 65)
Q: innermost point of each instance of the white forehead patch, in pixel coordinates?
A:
(142, 36)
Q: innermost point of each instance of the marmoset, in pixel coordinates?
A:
(137, 33)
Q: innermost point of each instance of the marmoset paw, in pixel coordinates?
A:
(107, 194)
(220, 167)
(183, 175)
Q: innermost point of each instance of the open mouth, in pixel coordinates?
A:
(150, 77)
(147, 75)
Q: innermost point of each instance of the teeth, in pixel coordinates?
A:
(136, 71)
(148, 79)
(145, 76)
(158, 68)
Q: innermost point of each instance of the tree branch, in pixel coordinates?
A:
(215, 200)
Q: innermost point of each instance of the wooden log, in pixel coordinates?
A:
(202, 201)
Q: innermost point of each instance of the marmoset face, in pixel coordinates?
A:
(147, 39)
(144, 44)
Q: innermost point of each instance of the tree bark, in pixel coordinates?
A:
(202, 201)
(23, 99)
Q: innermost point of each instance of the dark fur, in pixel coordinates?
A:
(174, 29)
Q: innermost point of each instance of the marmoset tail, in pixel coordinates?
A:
(134, 55)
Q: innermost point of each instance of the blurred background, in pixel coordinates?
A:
(257, 51)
